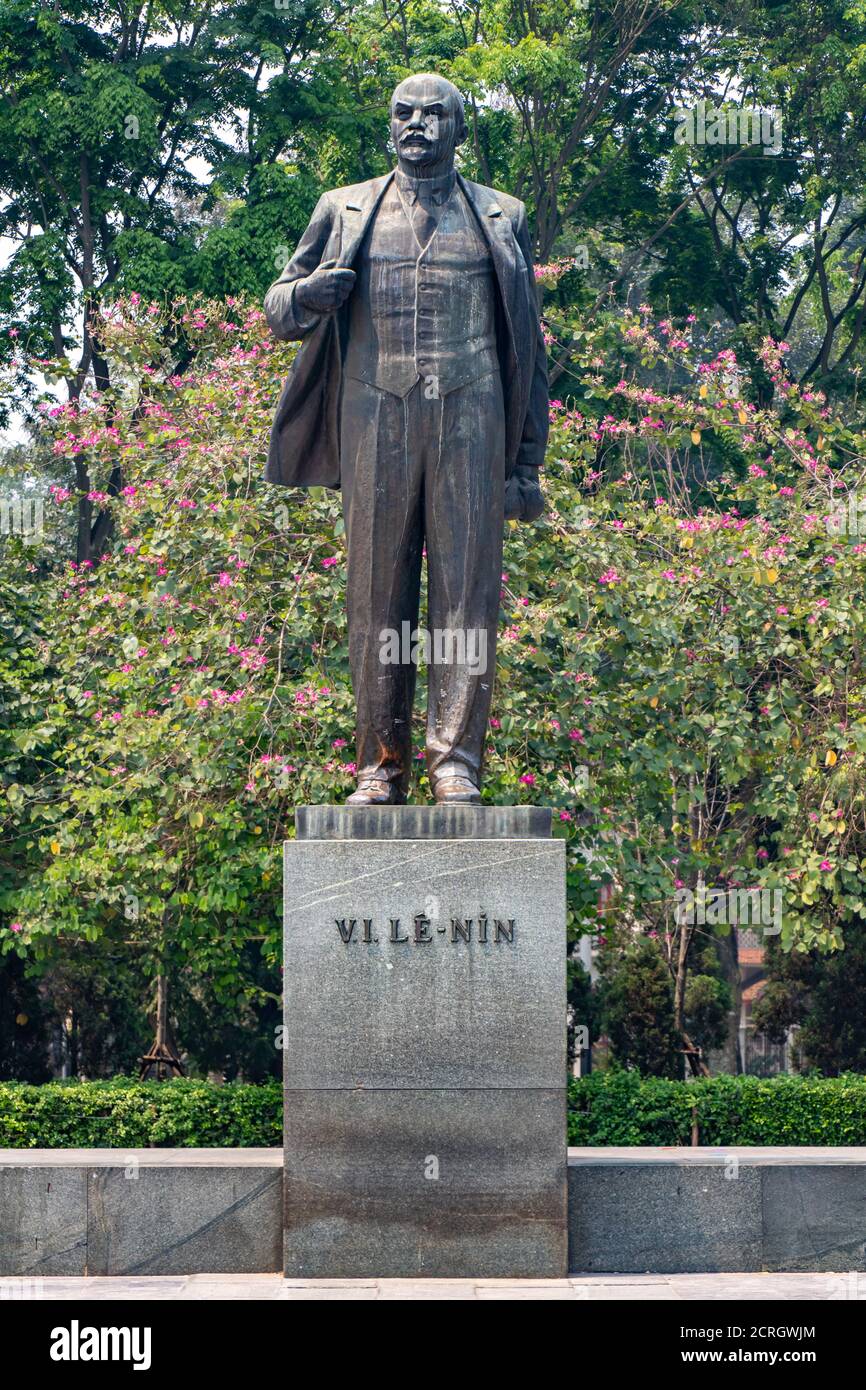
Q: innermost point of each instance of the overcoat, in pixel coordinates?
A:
(304, 447)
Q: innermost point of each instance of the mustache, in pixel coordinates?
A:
(414, 135)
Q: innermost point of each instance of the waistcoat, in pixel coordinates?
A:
(422, 311)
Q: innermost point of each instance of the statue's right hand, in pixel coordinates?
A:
(326, 289)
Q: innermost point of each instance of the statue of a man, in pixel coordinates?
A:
(420, 389)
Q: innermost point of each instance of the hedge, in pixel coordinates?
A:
(125, 1113)
(624, 1108)
(605, 1108)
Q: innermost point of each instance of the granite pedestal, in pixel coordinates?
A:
(425, 1062)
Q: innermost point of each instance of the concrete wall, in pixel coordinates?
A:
(706, 1210)
(191, 1211)
(143, 1211)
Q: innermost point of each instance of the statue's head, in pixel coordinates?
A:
(427, 122)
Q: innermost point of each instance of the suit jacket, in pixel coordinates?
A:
(305, 447)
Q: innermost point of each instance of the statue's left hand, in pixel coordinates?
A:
(524, 500)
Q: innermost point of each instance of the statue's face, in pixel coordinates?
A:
(425, 121)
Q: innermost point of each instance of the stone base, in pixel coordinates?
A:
(424, 981)
(139, 1211)
(705, 1210)
(359, 1201)
(631, 1211)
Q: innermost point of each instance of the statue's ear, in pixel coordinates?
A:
(462, 132)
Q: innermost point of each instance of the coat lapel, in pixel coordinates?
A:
(515, 289)
(500, 239)
(355, 216)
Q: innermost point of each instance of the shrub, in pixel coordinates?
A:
(623, 1108)
(125, 1113)
(607, 1108)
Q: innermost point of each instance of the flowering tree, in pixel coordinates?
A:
(680, 671)
(719, 639)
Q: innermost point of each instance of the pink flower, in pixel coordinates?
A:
(331, 560)
(528, 779)
(16, 926)
(825, 866)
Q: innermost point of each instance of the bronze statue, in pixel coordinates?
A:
(420, 389)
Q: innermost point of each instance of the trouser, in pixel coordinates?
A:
(419, 472)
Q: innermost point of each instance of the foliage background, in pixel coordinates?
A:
(680, 672)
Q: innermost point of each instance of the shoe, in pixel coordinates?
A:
(450, 790)
(376, 791)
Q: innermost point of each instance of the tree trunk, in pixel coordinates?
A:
(730, 963)
(162, 1059)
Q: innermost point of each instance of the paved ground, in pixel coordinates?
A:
(666, 1287)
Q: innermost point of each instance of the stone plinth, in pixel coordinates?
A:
(424, 985)
(71, 1212)
(139, 1211)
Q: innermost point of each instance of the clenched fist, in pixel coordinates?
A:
(326, 289)
(524, 500)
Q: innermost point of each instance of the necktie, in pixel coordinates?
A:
(425, 220)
